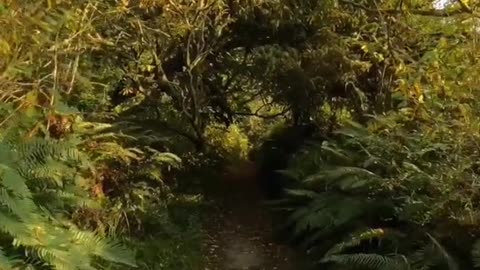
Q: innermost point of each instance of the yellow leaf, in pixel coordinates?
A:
(421, 99)
(4, 47)
(417, 90)
(365, 48)
(31, 100)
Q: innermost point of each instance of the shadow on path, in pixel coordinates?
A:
(240, 233)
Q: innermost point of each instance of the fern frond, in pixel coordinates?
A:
(14, 182)
(32, 227)
(51, 171)
(293, 198)
(11, 225)
(352, 130)
(38, 150)
(355, 239)
(105, 150)
(59, 198)
(344, 177)
(301, 193)
(60, 258)
(167, 158)
(369, 261)
(108, 250)
(476, 253)
(433, 254)
(326, 213)
(289, 173)
(22, 208)
(340, 156)
(5, 262)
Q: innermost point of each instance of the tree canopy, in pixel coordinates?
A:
(118, 104)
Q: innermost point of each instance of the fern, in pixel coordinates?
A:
(433, 254)
(476, 253)
(340, 176)
(105, 249)
(337, 155)
(5, 262)
(353, 130)
(355, 239)
(324, 215)
(429, 256)
(344, 189)
(23, 208)
(369, 261)
(301, 193)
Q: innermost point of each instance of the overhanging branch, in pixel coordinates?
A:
(270, 116)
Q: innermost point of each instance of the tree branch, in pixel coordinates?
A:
(262, 116)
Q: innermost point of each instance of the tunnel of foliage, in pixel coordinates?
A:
(361, 117)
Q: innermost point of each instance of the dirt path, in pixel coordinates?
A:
(240, 234)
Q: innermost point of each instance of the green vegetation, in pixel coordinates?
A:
(118, 117)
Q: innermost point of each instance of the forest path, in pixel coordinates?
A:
(240, 234)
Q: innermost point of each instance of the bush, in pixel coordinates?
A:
(381, 186)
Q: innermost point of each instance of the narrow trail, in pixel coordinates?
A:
(240, 232)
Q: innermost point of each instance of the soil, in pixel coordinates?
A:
(240, 234)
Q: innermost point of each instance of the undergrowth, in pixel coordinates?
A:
(399, 198)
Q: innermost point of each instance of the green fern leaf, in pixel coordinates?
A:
(339, 156)
(13, 181)
(44, 238)
(108, 250)
(5, 262)
(168, 158)
(433, 254)
(352, 130)
(369, 261)
(301, 193)
(13, 226)
(476, 253)
(344, 177)
(355, 239)
(326, 213)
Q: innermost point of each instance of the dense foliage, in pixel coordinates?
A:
(111, 111)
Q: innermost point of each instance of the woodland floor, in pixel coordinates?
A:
(240, 234)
